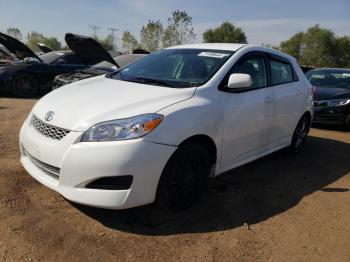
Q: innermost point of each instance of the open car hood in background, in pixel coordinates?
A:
(44, 48)
(88, 49)
(15, 46)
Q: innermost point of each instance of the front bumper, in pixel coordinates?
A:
(80, 163)
(331, 115)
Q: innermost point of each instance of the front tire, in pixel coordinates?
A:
(184, 178)
(300, 135)
(24, 85)
(346, 124)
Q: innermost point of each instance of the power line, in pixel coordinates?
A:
(113, 30)
(112, 33)
(94, 29)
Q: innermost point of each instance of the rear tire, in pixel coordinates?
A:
(300, 135)
(24, 85)
(184, 178)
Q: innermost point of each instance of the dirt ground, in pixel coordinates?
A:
(279, 208)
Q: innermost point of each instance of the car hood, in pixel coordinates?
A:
(82, 104)
(15, 46)
(44, 48)
(328, 93)
(88, 49)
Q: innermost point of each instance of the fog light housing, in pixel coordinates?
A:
(111, 183)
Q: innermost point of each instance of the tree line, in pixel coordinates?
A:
(316, 47)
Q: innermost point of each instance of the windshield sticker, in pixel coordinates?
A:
(213, 54)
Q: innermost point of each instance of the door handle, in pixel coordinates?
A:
(268, 100)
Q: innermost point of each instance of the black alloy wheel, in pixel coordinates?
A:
(300, 135)
(24, 85)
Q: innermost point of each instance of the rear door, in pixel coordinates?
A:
(287, 92)
(248, 112)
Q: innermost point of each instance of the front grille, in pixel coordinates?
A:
(57, 83)
(48, 169)
(320, 103)
(47, 130)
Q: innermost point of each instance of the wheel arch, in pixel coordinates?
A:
(309, 117)
(206, 142)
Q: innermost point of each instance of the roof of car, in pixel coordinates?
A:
(214, 46)
(332, 69)
(232, 47)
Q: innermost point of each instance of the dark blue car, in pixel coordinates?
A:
(332, 95)
(30, 74)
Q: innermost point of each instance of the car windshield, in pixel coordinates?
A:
(124, 60)
(175, 67)
(329, 78)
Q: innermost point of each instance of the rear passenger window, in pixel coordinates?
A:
(281, 72)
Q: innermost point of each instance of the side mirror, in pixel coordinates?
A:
(239, 81)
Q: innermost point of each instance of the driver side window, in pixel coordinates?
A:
(255, 67)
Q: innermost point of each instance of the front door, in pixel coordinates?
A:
(247, 113)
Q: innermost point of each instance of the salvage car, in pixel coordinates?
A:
(99, 69)
(5, 56)
(156, 129)
(31, 74)
(332, 95)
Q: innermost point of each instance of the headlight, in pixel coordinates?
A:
(338, 102)
(122, 129)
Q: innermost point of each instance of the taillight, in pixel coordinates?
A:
(313, 91)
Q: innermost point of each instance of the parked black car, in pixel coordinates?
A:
(30, 74)
(101, 68)
(332, 95)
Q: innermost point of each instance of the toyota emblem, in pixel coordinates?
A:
(49, 115)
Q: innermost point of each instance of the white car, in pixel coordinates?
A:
(158, 128)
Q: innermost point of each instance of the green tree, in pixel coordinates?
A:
(342, 52)
(33, 38)
(129, 42)
(108, 42)
(179, 29)
(225, 33)
(14, 32)
(293, 45)
(318, 47)
(151, 36)
(52, 42)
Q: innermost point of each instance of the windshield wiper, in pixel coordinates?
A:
(145, 80)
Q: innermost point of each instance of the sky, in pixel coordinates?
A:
(264, 21)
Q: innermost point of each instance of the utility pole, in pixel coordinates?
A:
(112, 33)
(94, 29)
